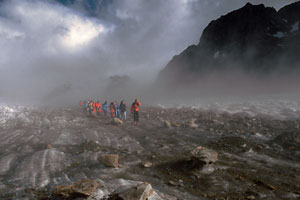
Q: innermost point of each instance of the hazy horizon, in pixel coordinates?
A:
(53, 52)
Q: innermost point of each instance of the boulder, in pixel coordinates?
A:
(117, 121)
(116, 189)
(147, 164)
(175, 124)
(167, 124)
(204, 155)
(142, 191)
(79, 189)
(110, 160)
(192, 124)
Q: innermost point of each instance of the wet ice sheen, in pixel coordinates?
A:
(274, 107)
(26, 161)
(36, 169)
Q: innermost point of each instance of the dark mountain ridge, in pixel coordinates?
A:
(255, 39)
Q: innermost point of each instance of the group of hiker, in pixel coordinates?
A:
(114, 109)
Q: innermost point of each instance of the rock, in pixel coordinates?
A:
(175, 124)
(167, 124)
(117, 189)
(139, 151)
(142, 191)
(110, 160)
(192, 123)
(117, 121)
(202, 154)
(173, 183)
(180, 183)
(76, 190)
(147, 164)
(207, 169)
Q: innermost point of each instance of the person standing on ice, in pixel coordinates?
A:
(98, 107)
(91, 107)
(117, 110)
(135, 110)
(85, 105)
(105, 108)
(112, 108)
(123, 110)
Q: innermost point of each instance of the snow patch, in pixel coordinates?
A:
(279, 35)
(295, 27)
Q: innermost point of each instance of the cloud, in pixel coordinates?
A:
(51, 25)
(45, 46)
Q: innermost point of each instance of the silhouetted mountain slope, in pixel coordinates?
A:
(255, 39)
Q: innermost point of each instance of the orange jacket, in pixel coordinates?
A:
(135, 106)
(98, 106)
(112, 107)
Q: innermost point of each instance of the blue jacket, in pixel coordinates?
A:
(104, 107)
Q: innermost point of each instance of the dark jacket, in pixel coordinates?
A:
(123, 107)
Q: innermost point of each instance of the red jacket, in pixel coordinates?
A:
(135, 106)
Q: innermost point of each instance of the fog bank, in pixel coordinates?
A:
(53, 53)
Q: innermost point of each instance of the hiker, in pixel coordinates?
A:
(135, 110)
(117, 110)
(98, 107)
(112, 108)
(95, 107)
(81, 103)
(123, 110)
(85, 106)
(90, 107)
(105, 108)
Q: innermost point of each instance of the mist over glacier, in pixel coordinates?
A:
(61, 51)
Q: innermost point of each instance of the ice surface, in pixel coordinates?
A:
(35, 170)
(270, 160)
(5, 163)
(276, 108)
(43, 148)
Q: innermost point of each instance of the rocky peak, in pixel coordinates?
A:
(242, 27)
(253, 38)
(291, 12)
